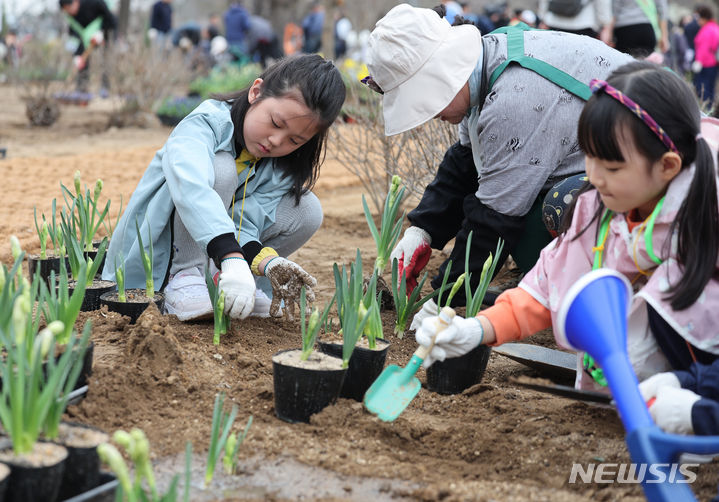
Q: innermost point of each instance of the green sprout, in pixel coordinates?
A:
(57, 304)
(146, 261)
(386, 237)
(312, 327)
(120, 279)
(474, 300)
(221, 425)
(222, 320)
(443, 287)
(77, 256)
(406, 305)
(232, 448)
(84, 210)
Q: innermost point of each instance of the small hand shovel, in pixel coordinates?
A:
(395, 388)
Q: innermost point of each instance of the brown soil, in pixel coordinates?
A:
(494, 441)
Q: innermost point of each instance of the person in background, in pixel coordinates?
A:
(691, 28)
(312, 25)
(161, 23)
(263, 46)
(706, 44)
(453, 10)
(482, 22)
(343, 27)
(231, 189)
(237, 22)
(593, 17)
(638, 27)
(85, 16)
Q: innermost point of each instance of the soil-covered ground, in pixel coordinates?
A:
(495, 441)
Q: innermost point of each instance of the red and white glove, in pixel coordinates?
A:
(78, 62)
(672, 410)
(97, 39)
(649, 387)
(412, 253)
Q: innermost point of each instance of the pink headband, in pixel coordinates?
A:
(601, 85)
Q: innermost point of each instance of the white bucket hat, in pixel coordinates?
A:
(420, 62)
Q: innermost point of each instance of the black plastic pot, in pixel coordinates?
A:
(45, 267)
(302, 392)
(29, 483)
(103, 492)
(4, 480)
(91, 301)
(82, 467)
(455, 374)
(364, 367)
(135, 305)
(93, 255)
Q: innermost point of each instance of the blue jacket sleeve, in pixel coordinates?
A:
(703, 379)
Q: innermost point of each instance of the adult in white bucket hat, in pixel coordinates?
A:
(517, 131)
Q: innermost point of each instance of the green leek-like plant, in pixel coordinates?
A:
(147, 261)
(49, 230)
(85, 211)
(390, 228)
(28, 392)
(77, 257)
(443, 287)
(474, 300)
(232, 448)
(311, 328)
(137, 448)
(370, 305)
(406, 305)
(107, 222)
(222, 320)
(120, 279)
(221, 425)
(57, 304)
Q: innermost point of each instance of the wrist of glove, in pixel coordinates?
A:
(672, 410)
(287, 280)
(649, 387)
(455, 340)
(239, 286)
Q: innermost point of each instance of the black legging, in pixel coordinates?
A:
(637, 40)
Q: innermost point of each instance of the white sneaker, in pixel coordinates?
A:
(187, 297)
(262, 304)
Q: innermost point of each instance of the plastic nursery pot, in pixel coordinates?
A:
(37, 475)
(103, 492)
(135, 305)
(364, 367)
(45, 266)
(91, 301)
(455, 374)
(303, 388)
(82, 467)
(93, 254)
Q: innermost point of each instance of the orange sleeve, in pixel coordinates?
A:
(516, 315)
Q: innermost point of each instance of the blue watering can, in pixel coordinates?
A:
(593, 318)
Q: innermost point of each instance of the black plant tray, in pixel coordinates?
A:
(104, 492)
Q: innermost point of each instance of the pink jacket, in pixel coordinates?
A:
(561, 263)
(706, 44)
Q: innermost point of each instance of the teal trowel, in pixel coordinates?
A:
(395, 388)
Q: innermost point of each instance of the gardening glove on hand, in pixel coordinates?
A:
(455, 340)
(287, 279)
(429, 309)
(649, 387)
(672, 410)
(97, 38)
(78, 62)
(412, 254)
(239, 286)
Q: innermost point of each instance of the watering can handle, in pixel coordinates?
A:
(444, 320)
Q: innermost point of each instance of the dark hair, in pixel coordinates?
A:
(671, 103)
(63, 3)
(441, 11)
(704, 12)
(319, 83)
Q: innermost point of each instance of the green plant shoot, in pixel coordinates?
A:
(474, 300)
(120, 279)
(57, 304)
(390, 227)
(232, 448)
(311, 328)
(405, 305)
(443, 287)
(146, 261)
(455, 287)
(217, 296)
(221, 425)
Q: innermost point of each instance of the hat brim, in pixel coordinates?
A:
(426, 93)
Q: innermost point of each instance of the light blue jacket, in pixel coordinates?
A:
(180, 177)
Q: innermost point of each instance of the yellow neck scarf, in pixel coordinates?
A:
(245, 160)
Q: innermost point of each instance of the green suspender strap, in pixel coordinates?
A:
(515, 54)
(649, 8)
(84, 33)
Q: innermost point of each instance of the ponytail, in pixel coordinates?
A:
(697, 224)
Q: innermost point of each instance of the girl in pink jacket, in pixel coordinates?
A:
(649, 211)
(706, 44)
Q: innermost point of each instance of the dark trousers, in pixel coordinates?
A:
(637, 40)
(704, 83)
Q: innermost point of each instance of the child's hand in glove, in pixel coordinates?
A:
(287, 279)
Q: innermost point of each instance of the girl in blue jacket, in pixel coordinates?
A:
(231, 186)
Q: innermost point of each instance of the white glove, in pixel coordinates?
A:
(239, 286)
(152, 33)
(287, 279)
(697, 67)
(78, 62)
(97, 38)
(455, 340)
(649, 387)
(413, 238)
(429, 309)
(672, 410)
